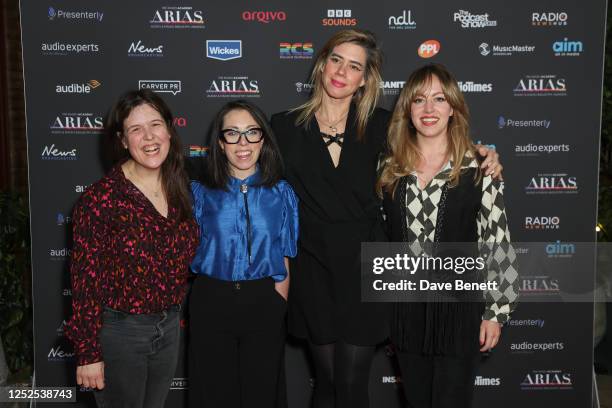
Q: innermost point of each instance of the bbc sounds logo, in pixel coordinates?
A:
(429, 48)
(177, 17)
(339, 17)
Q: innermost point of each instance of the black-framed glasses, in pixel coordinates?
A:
(232, 136)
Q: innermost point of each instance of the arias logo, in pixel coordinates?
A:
(542, 223)
(429, 48)
(161, 86)
(77, 123)
(539, 285)
(264, 16)
(53, 153)
(553, 183)
(339, 17)
(547, 380)
(235, 86)
(541, 85)
(392, 87)
(549, 19)
(179, 17)
(295, 50)
(83, 88)
(402, 22)
(566, 48)
(138, 49)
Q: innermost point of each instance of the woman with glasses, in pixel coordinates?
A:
(248, 227)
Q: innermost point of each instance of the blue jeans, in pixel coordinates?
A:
(140, 353)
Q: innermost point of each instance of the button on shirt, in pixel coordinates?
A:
(235, 247)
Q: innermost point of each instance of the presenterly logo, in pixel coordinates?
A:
(62, 49)
(549, 19)
(553, 183)
(339, 17)
(179, 17)
(224, 50)
(504, 50)
(233, 86)
(404, 21)
(161, 86)
(547, 380)
(481, 381)
(264, 16)
(296, 50)
(469, 20)
(53, 153)
(545, 222)
(474, 87)
(138, 49)
(539, 323)
(85, 88)
(429, 48)
(541, 85)
(566, 48)
(57, 14)
(77, 123)
(503, 122)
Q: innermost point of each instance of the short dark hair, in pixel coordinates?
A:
(174, 178)
(270, 161)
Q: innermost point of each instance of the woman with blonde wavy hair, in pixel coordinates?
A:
(330, 146)
(435, 192)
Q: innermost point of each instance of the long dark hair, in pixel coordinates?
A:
(270, 162)
(174, 178)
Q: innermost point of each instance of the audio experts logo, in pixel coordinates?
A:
(566, 48)
(541, 85)
(60, 49)
(233, 86)
(339, 17)
(53, 153)
(429, 48)
(504, 50)
(138, 49)
(549, 19)
(402, 22)
(177, 17)
(534, 150)
(161, 86)
(83, 88)
(82, 15)
(469, 20)
(530, 348)
(298, 50)
(224, 50)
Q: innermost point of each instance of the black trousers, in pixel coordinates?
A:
(237, 337)
(437, 381)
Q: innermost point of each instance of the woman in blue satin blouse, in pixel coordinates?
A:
(248, 227)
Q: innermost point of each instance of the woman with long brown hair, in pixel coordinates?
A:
(435, 192)
(331, 146)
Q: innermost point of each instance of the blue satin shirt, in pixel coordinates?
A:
(235, 247)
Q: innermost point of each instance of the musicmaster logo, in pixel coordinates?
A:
(224, 50)
(177, 17)
(339, 17)
(140, 49)
(76, 88)
(547, 380)
(161, 86)
(297, 50)
(53, 153)
(233, 86)
(76, 123)
(552, 183)
(541, 85)
(504, 50)
(62, 49)
(74, 15)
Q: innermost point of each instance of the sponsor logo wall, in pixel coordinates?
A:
(527, 73)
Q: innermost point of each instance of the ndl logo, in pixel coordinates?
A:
(224, 50)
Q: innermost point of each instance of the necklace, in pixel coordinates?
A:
(332, 126)
(156, 193)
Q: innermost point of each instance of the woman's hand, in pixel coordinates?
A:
(491, 162)
(489, 334)
(91, 375)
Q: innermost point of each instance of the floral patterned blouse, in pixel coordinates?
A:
(125, 256)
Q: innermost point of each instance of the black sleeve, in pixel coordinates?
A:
(195, 168)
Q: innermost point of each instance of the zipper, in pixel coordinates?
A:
(243, 189)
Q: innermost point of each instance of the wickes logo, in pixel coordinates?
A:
(53, 153)
(224, 50)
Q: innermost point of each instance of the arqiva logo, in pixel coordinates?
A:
(264, 16)
(429, 48)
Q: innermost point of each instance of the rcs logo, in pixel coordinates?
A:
(296, 50)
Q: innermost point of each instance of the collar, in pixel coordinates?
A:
(252, 180)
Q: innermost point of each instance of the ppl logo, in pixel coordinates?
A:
(179, 17)
(547, 380)
(264, 16)
(161, 86)
(77, 123)
(295, 50)
(429, 48)
(339, 17)
(541, 85)
(197, 151)
(549, 19)
(566, 48)
(53, 153)
(234, 86)
(544, 222)
(224, 50)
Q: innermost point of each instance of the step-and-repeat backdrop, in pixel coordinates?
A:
(531, 72)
